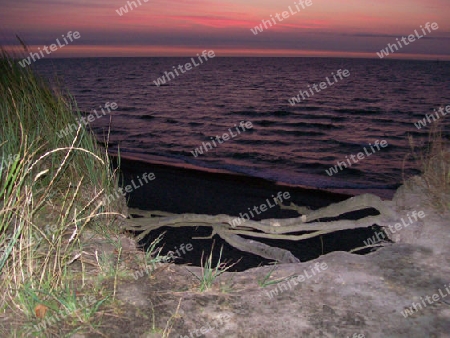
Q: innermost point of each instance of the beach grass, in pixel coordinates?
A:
(267, 279)
(211, 272)
(433, 161)
(52, 189)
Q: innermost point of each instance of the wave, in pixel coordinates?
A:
(356, 111)
(146, 117)
(301, 132)
(312, 125)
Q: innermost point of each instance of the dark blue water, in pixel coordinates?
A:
(380, 100)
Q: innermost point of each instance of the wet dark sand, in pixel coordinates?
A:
(184, 189)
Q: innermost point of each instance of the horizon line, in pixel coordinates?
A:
(103, 51)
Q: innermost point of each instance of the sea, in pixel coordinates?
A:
(296, 143)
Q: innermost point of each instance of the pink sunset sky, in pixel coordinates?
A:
(344, 28)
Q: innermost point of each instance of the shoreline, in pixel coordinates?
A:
(185, 188)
